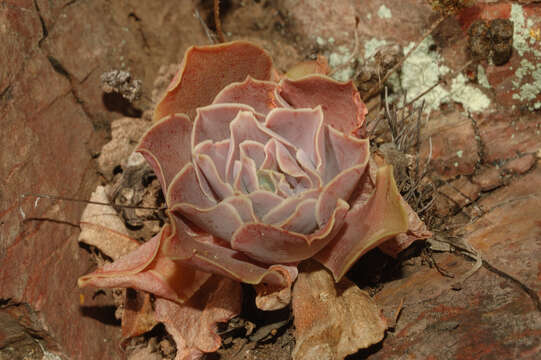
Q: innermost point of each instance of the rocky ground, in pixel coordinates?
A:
(471, 292)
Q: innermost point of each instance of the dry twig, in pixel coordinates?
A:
(217, 21)
(210, 35)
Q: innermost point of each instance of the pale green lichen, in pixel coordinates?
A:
(372, 46)
(527, 81)
(420, 71)
(384, 12)
(473, 99)
(423, 69)
(520, 31)
(527, 92)
(525, 68)
(482, 77)
(340, 59)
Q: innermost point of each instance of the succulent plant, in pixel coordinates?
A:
(259, 172)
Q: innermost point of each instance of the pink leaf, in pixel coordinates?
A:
(214, 256)
(260, 95)
(367, 225)
(341, 102)
(273, 244)
(206, 70)
(147, 269)
(166, 147)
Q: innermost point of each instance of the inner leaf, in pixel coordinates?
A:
(265, 181)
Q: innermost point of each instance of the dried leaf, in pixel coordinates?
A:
(102, 227)
(332, 320)
(138, 315)
(193, 324)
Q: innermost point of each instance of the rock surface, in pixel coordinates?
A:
(489, 156)
(454, 149)
(54, 120)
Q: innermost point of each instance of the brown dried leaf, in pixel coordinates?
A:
(332, 320)
(138, 316)
(193, 325)
(102, 227)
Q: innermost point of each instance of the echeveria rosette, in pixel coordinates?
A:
(258, 175)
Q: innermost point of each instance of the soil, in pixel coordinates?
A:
(471, 292)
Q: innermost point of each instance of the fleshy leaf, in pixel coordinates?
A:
(166, 147)
(305, 68)
(272, 244)
(367, 225)
(221, 220)
(206, 70)
(274, 297)
(300, 127)
(212, 122)
(417, 230)
(244, 127)
(211, 255)
(341, 187)
(185, 188)
(147, 269)
(213, 176)
(286, 208)
(260, 95)
(341, 103)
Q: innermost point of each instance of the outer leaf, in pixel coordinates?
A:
(341, 103)
(260, 95)
(306, 68)
(166, 147)
(367, 225)
(417, 230)
(206, 70)
(271, 244)
(214, 256)
(149, 270)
